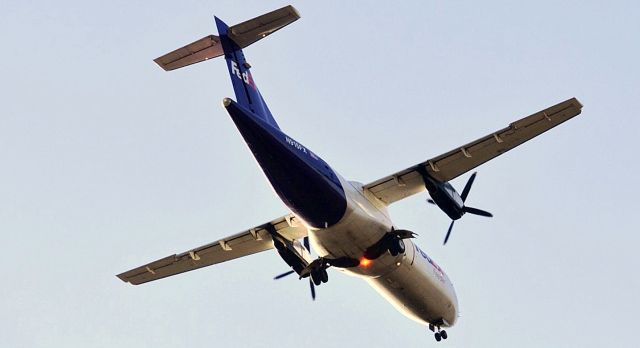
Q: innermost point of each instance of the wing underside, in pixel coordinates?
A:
(461, 160)
(241, 244)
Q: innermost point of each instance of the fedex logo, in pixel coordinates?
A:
(244, 76)
(436, 269)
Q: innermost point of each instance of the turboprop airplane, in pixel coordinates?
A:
(346, 223)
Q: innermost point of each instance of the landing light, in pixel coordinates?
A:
(365, 262)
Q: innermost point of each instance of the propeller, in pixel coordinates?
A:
(446, 238)
(312, 287)
(283, 275)
(470, 210)
(305, 242)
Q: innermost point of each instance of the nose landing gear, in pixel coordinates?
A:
(439, 334)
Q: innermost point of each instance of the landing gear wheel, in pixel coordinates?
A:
(324, 276)
(400, 246)
(438, 337)
(396, 247)
(316, 278)
(443, 334)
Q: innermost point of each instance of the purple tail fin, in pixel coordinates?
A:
(247, 93)
(230, 43)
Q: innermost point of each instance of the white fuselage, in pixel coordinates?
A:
(412, 281)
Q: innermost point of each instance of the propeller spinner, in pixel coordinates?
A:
(448, 200)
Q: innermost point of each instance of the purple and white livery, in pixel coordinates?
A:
(344, 222)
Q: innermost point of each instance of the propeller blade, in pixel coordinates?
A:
(430, 201)
(475, 211)
(313, 289)
(448, 232)
(283, 275)
(467, 187)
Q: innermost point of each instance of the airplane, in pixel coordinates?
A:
(346, 223)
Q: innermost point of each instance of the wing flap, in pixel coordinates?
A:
(461, 160)
(396, 187)
(242, 244)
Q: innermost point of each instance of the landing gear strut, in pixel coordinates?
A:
(439, 334)
(317, 269)
(391, 241)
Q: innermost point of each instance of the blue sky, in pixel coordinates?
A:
(108, 163)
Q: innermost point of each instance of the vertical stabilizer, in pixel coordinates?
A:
(247, 93)
(230, 43)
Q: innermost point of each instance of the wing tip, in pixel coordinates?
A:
(576, 102)
(124, 278)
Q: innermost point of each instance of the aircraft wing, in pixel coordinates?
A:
(238, 245)
(466, 157)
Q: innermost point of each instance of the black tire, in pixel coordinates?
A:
(438, 337)
(396, 247)
(316, 278)
(443, 334)
(400, 246)
(324, 276)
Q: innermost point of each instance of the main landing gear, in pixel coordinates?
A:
(317, 269)
(396, 247)
(440, 334)
(319, 276)
(391, 241)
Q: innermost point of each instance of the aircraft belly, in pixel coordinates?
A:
(412, 282)
(362, 225)
(418, 291)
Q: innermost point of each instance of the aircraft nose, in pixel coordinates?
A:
(452, 312)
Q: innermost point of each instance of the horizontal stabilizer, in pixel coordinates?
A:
(248, 32)
(243, 35)
(206, 48)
